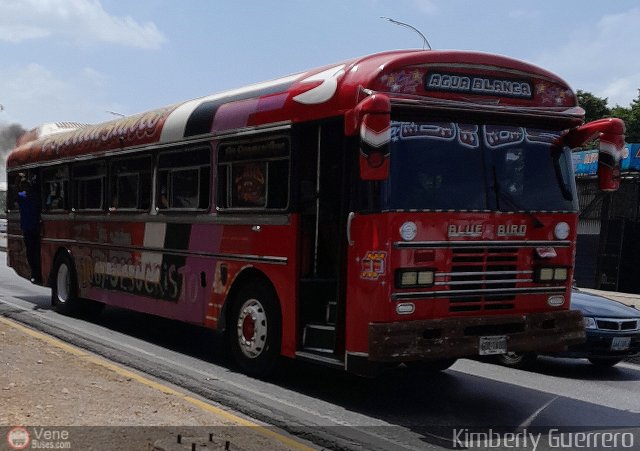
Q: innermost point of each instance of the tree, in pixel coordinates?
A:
(627, 116)
(633, 121)
(594, 107)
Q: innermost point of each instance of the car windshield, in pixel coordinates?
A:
(455, 166)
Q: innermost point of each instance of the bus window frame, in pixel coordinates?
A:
(114, 176)
(225, 193)
(75, 180)
(64, 181)
(169, 181)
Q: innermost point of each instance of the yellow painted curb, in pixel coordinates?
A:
(88, 357)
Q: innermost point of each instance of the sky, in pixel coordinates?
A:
(83, 60)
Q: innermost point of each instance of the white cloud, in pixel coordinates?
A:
(95, 77)
(601, 57)
(523, 14)
(427, 7)
(79, 20)
(621, 91)
(33, 95)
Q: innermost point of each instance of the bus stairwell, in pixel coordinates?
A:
(322, 207)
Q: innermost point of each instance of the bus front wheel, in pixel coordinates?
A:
(254, 329)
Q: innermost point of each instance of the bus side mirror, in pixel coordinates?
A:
(610, 132)
(372, 119)
(609, 157)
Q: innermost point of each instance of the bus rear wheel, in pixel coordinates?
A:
(64, 285)
(64, 290)
(254, 330)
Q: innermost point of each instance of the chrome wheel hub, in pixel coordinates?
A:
(63, 283)
(252, 328)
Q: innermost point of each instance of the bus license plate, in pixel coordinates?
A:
(493, 345)
(620, 343)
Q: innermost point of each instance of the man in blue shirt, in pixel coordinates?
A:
(29, 203)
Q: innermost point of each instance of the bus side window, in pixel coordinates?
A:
(55, 183)
(89, 185)
(183, 180)
(130, 186)
(254, 175)
(163, 190)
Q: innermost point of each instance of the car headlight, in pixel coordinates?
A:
(406, 278)
(589, 323)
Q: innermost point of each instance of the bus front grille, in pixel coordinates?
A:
(482, 279)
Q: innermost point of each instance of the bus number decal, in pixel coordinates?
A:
(373, 265)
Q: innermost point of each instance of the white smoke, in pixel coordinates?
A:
(8, 136)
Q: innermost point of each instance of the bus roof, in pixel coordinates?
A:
(471, 78)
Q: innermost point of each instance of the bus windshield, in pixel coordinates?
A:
(489, 167)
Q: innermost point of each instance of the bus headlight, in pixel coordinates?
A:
(561, 231)
(560, 274)
(544, 274)
(406, 278)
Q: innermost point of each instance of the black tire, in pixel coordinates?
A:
(64, 285)
(64, 290)
(519, 360)
(604, 362)
(254, 329)
(434, 366)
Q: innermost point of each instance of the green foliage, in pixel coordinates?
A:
(596, 108)
(633, 121)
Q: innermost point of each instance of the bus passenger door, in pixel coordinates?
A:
(322, 202)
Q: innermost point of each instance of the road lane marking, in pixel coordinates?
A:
(527, 422)
(86, 356)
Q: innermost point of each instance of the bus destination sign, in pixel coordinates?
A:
(478, 85)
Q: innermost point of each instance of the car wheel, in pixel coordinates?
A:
(254, 329)
(604, 362)
(518, 360)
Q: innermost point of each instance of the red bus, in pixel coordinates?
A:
(404, 207)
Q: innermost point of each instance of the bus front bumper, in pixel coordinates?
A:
(460, 337)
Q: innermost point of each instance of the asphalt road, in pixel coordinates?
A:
(399, 410)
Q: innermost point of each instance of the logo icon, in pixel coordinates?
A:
(373, 265)
(18, 438)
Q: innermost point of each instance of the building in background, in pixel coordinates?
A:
(608, 249)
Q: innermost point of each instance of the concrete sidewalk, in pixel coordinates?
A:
(56, 395)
